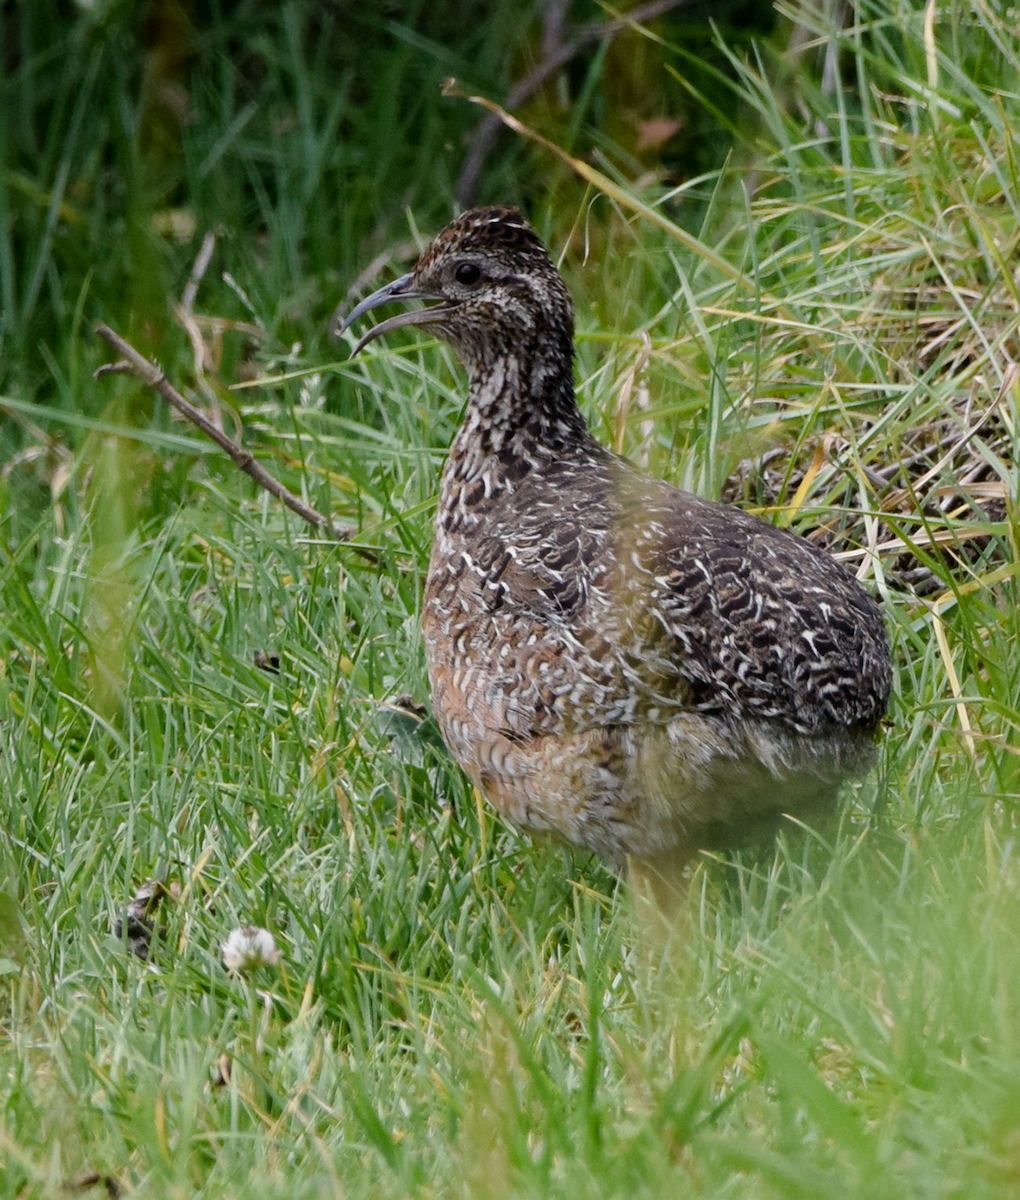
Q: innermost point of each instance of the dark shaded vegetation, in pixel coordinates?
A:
(302, 133)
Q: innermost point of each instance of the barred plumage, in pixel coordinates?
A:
(640, 671)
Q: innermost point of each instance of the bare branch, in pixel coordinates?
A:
(135, 364)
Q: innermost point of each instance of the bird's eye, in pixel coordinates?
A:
(467, 274)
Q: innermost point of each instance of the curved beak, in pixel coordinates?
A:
(399, 290)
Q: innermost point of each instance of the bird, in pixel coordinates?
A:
(630, 668)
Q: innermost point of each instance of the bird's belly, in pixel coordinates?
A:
(648, 789)
(568, 741)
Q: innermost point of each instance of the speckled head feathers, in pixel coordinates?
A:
(499, 292)
(496, 231)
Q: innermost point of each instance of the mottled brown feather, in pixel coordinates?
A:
(635, 669)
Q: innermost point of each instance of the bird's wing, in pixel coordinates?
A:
(765, 620)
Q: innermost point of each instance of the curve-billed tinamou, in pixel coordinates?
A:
(636, 670)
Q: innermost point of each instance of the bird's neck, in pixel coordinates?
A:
(522, 414)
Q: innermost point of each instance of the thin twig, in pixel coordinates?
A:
(135, 364)
(557, 55)
(185, 314)
(190, 293)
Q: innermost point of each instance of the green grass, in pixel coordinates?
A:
(459, 1012)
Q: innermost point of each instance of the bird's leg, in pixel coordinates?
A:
(660, 884)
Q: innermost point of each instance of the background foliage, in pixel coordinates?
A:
(792, 241)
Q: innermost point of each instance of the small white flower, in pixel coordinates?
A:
(248, 948)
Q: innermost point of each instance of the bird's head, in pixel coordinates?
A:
(498, 292)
